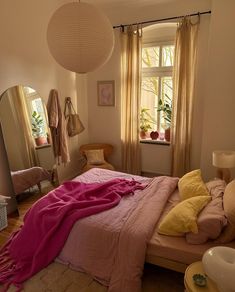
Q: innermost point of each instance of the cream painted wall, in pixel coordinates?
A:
(25, 59)
(140, 11)
(104, 122)
(219, 104)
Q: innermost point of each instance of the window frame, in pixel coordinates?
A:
(158, 44)
(30, 97)
(158, 72)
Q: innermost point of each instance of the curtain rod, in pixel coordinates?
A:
(162, 19)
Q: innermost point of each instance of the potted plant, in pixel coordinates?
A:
(37, 129)
(166, 107)
(145, 122)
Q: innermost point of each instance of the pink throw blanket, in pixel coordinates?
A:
(47, 225)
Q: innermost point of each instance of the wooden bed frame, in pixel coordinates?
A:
(166, 263)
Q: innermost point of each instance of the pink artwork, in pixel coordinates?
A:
(106, 93)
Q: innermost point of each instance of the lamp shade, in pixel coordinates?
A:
(80, 37)
(224, 159)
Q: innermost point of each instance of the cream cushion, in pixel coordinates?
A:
(192, 185)
(229, 202)
(228, 233)
(95, 157)
(183, 217)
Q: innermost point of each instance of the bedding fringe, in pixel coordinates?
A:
(8, 267)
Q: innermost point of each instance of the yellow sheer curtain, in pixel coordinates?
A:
(183, 83)
(24, 123)
(130, 98)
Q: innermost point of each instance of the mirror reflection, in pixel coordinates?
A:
(25, 129)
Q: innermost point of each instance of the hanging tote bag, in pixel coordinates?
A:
(74, 124)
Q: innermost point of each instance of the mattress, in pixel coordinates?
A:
(176, 248)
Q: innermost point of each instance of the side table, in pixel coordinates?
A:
(190, 286)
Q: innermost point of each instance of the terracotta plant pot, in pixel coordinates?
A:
(168, 134)
(143, 134)
(40, 141)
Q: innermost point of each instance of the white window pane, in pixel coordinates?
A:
(168, 56)
(29, 90)
(37, 106)
(150, 57)
(36, 112)
(166, 102)
(149, 100)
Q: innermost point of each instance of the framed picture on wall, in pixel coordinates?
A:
(106, 93)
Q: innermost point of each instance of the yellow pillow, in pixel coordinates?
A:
(191, 185)
(95, 157)
(183, 217)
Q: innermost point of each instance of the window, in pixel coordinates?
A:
(35, 104)
(157, 91)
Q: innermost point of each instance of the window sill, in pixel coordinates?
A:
(43, 146)
(158, 142)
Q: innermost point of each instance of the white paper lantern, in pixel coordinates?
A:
(80, 37)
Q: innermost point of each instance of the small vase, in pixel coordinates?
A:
(168, 134)
(143, 134)
(154, 135)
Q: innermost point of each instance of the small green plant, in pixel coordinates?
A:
(200, 280)
(37, 125)
(166, 107)
(146, 120)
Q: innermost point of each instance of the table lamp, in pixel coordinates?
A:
(219, 265)
(223, 160)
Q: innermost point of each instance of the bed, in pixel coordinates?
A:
(26, 178)
(113, 244)
(87, 236)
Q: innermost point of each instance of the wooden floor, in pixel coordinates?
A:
(155, 279)
(26, 200)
